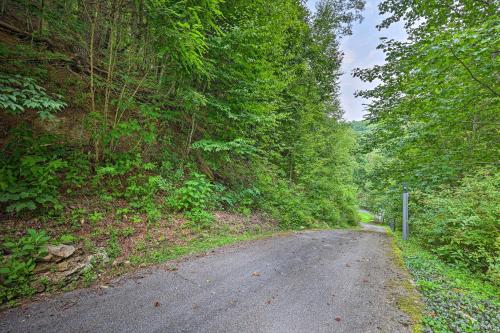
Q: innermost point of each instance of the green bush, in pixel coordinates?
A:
(196, 193)
(461, 224)
(199, 219)
(17, 266)
(29, 172)
(284, 201)
(240, 200)
(127, 176)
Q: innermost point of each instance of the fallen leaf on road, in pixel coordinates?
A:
(347, 265)
(255, 274)
(337, 318)
(268, 301)
(157, 304)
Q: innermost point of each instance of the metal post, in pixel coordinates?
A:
(392, 224)
(405, 212)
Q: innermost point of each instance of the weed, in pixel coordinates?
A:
(127, 231)
(77, 216)
(96, 217)
(67, 239)
(16, 269)
(89, 246)
(113, 249)
(89, 276)
(199, 219)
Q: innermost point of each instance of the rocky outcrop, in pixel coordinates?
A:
(63, 262)
(56, 253)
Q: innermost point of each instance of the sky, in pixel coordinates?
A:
(360, 52)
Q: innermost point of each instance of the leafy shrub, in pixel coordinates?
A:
(141, 194)
(35, 168)
(284, 202)
(32, 245)
(194, 194)
(18, 93)
(29, 173)
(77, 172)
(113, 248)
(461, 224)
(67, 239)
(199, 219)
(17, 267)
(132, 179)
(242, 199)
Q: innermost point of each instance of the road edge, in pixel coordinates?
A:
(410, 302)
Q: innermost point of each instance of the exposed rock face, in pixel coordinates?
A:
(121, 262)
(63, 262)
(57, 253)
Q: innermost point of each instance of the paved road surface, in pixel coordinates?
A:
(372, 227)
(326, 281)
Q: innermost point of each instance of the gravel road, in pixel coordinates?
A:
(323, 281)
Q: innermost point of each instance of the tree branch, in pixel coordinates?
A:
(473, 76)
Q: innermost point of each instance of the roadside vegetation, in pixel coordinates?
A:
(456, 299)
(432, 125)
(366, 217)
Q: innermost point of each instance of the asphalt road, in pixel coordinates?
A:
(325, 281)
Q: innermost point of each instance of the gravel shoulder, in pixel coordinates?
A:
(319, 281)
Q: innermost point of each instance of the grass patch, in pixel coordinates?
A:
(166, 253)
(455, 299)
(366, 217)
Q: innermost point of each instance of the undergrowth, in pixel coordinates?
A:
(456, 300)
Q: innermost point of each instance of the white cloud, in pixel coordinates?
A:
(349, 57)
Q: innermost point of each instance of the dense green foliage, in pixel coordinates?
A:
(433, 124)
(16, 270)
(239, 91)
(461, 223)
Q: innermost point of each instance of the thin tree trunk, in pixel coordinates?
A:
(93, 21)
(91, 56)
(190, 137)
(42, 13)
(111, 55)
